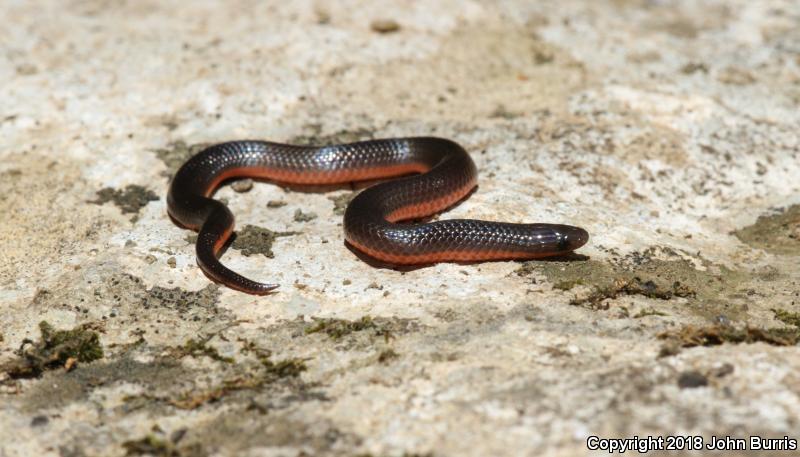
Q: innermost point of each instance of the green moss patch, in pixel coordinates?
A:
(776, 233)
(200, 348)
(55, 349)
(339, 328)
(787, 317)
(715, 335)
(253, 240)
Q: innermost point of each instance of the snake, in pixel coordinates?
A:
(384, 221)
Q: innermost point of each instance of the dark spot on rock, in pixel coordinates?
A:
(58, 388)
(736, 76)
(691, 379)
(253, 429)
(694, 67)
(387, 355)
(340, 202)
(253, 240)
(175, 154)
(323, 16)
(180, 299)
(502, 112)
(39, 421)
(26, 69)
(275, 204)
(129, 200)
(300, 216)
(777, 233)
(155, 445)
(679, 27)
(723, 370)
(543, 55)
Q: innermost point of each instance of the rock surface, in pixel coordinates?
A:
(670, 130)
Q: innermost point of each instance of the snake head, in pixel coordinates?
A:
(571, 238)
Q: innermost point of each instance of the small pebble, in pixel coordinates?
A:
(150, 259)
(130, 244)
(275, 204)
(178, 435)
(242, 185)
(300, 216)
(384, 26)
(172, 262)
(723, 370)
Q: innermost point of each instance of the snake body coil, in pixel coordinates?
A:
(447, 174)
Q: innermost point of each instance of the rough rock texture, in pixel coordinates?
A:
(670, 130)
